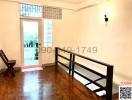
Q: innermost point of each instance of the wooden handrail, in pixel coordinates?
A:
(87, 58)
(71, 67)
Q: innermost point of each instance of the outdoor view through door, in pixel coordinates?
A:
(30, 39)
(34, 33)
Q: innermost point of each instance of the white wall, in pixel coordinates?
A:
(83, 28)
(63, 34)
(0, 41)
(10, 30)
(113, 39)
(10, 36)
(0, 48)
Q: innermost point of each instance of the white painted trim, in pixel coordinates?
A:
(39, 38)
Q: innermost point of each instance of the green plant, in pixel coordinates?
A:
(36, 54)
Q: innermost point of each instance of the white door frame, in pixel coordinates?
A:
(40, 38)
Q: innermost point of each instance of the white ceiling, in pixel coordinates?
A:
(69, 1)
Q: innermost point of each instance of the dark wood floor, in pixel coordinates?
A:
(48, 84)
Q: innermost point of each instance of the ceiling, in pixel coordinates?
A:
(69, 1)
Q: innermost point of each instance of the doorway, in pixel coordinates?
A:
(31, 42)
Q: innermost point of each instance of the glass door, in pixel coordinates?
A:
(31, 42)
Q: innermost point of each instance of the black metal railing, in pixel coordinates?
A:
(71, 67)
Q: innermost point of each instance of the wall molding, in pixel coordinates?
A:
(47, 65)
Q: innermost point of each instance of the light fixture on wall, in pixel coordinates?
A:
(107, 11)
(106, 18)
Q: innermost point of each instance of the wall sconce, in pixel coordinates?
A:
(106, 18)
(107, 11)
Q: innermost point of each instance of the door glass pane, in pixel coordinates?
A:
(30, 32)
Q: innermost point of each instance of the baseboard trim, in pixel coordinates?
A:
(2, 70)
(47, 65)
(19, 68)
(15, 68)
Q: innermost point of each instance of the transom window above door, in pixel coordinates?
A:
(31, 10)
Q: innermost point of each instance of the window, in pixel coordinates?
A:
(31, 10)
(47, 33)
(52, 12)
(49, 12)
